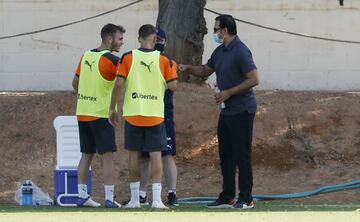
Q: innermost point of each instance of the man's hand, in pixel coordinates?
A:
(220, 97)
(183, 67)
(113, 117)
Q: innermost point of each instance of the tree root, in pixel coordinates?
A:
(309, 149)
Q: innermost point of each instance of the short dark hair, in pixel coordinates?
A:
(110, 30)
(146, 30)
(227, 21)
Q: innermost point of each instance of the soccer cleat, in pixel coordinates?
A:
(109, 204)
(158, 205)
(243, 205)
(87, 202)
(143, 201)
(172, 199)
(219, 203)
(133, 205)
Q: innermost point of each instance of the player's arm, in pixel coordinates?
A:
(123, 68)
(115, 100)
(75, 81)
(172, 77)
(172, 85)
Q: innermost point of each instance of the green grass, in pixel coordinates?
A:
(263, 206)
(264, 211)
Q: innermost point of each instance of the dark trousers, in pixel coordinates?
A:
(235, 138)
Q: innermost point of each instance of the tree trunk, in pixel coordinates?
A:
(185, 27)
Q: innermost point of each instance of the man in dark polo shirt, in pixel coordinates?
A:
(236, 75)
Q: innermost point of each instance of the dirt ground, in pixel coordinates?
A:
(302, 140)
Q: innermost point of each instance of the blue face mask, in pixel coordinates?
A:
(159, 47)
(217, 39)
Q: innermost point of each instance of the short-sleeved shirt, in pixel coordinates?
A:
(168, 99)
(107, 67)
(231, 63)
(167, 70)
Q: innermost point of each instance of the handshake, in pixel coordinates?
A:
(183, 67)
(205, 71)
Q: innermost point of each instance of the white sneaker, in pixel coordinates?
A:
(87, 202)
(133, 205)
(159, 205)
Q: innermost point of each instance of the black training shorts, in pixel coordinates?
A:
(145, 139)
(97, 136)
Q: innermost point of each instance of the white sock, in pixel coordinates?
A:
(156, 191)
(109, 192)
(172, 191)
(135, 190)
(82, 191)
(142, 193)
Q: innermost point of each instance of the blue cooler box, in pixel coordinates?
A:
(65, 187)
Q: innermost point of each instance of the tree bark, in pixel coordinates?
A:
(185, 27)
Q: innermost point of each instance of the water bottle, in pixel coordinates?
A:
(24, 192)
(217, 90)
(27, 194)
(30, 198)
